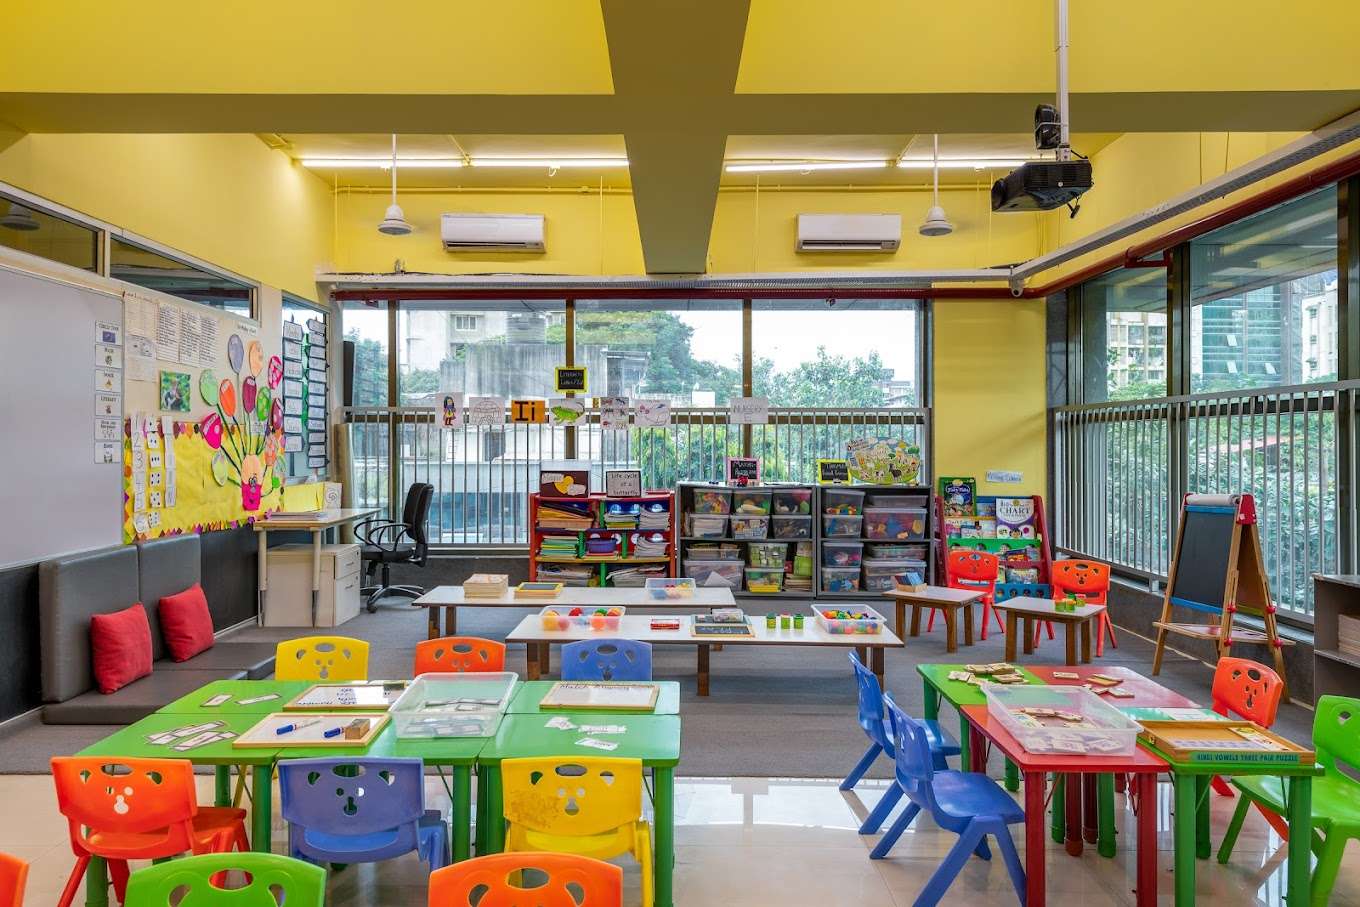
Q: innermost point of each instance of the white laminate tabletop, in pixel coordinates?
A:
(530, 629)
(580, 596)
(321, 519)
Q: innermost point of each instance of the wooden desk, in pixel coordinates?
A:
(451, 598)
(950, 601)
(317, 523)
(537, 641)
(1032, 609)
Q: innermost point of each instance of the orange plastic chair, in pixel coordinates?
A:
(13, 875)
(1089, 581)
(458, 655)
(974, 571)
(1251, 691)
(137, 809)
(498, 876)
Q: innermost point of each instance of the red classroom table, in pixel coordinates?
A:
(1142, 766)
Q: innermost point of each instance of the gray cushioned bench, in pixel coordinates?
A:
(74, 588)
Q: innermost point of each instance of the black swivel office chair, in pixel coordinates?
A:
(386, 543)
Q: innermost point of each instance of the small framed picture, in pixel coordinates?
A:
(743, 471)
(622, 483)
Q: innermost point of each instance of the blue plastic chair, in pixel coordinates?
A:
(607, 659)
(878, 728)
(969, 804)
(360, 810)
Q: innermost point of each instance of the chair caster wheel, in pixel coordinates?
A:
(372, 607)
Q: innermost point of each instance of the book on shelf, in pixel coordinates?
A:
(574, 575)
(655, 516)
(486, 585)
(557, 546)
(648, 544)
(634, 577)
(1348, 635)
(562, 515)
(535, 589)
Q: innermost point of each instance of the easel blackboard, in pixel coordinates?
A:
(1217, 569)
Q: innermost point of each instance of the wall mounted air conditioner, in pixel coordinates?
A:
(492, 232)
(849, 232)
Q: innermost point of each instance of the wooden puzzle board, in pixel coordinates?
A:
(311, 730)
(1193, 739)
(361, 697)
(619, 697)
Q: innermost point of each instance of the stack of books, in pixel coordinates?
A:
(567, 574)
(654, 516)
(557, 546)
(631, 577)
(486, 585)
(1348, 635)
(795, 583)
(621, 516)
(564, 515)
(648, 544)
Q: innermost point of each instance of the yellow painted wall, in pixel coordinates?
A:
(226, 199)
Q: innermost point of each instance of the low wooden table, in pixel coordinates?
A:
(1031, 609)
(451, 598)
(950, 601)
(537, 641)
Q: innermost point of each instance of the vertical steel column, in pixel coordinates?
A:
(1347, 365)
(393, 402)
(569, 354)
(747, 381)
(1179, 418)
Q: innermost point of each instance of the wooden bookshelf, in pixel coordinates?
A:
(595, 506)
(1334, 672)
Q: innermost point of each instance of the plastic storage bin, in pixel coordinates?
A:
(453, 705)
(842, 554)
(751, 501)
(764, 580)
(714, 551)
(767, 554)
(910, 552)
(1103, 728)
(669, 588)
(750, 527)
(857, 619)
(802, 559)
(790, 527)
(792, 501)
(715, 573)
(841, 527)
(840, 579)
(564, 617)
(897, 500)
(880, 573)
(842, 500)
(895, 523)
(705, 525)
(712, 500)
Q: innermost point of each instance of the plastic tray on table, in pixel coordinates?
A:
(858, 619)
(453, 705)
(1102, 730)
(562, 617)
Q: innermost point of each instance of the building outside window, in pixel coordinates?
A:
(1124, 335)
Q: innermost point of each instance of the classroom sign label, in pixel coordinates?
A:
(570, 378)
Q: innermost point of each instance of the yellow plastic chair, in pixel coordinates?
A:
(589, 806)
(322, 658)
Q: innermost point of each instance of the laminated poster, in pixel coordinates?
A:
(566, 410)
(485, 411)
(141, 358)
(613, 413)
(750, 411)
(651, 413)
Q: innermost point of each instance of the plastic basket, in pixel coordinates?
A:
(1104, 730)
(863, 621)
(563, 617)
(453, 705)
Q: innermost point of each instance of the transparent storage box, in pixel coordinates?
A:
(841, 527)
(714, 551)
(792, 502)
(895, 523)
(751, 502)
(840, 579)
(856, 619)
(880, 573)
(767, 554)
(570, 617)
(750, 527)
(669, 588)
(842, 554)
(842, 500)
(764, 580)
(453, 705)
(705, 525)
(712, 500)
(720, 574)
(909, 552)
(897, 500)
(790, 527)
(1102, 730)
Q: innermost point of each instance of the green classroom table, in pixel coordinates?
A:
(937, 685)
(530, 693)
(285, 690)
(654, 739)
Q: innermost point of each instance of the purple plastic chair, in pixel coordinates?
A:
(969, 804)
(360, 810)
(607, 659)
(878, 728)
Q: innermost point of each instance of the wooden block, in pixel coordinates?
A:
(357, 729)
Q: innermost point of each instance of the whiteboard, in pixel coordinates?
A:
(56, 499)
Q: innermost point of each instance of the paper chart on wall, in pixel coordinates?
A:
(106, 355)
(167, 332)
(613, 413)
(190, 341)
(485, 411)
(139, 315)
(207, 340)
(108, 404)
(106, 379)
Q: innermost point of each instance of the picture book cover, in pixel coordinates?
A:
(970, 527)
(880, 461)
(959, 495)
(1015, 518)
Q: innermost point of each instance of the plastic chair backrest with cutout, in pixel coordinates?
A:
(913, 765)
(126, 809)
(570, 881)
(1336, 734)
(459, 655)
(330, 658)
(301, 884)
(1088, 579)
(1247, 689)
(572, 796)
(607, 659)
(352, 809)
(974, 570)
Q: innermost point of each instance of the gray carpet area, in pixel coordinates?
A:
(772, 712)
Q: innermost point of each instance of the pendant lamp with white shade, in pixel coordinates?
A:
(19, 218)
(936, 223)
(394, 223)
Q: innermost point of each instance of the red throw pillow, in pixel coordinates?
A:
(121, 643)
(186, 623)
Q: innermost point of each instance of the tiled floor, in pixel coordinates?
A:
(756, 841)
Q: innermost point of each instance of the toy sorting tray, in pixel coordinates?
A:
(1222, 741)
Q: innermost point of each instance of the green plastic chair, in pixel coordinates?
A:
(1336, 796)
(303, 884)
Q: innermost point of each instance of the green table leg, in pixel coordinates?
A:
(931, 701)
(97, 883)
(222, 785)
(664, 805)
(1184, 824)
(261, 807)
(1059, 807)
(1300, 821)
(1105, 845)
(1012, 776)
(965, 759)
(462, 812)
(1203, 846)
(495, 811)
(482, 797)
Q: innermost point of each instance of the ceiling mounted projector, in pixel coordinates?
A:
(1041, 185)
(19, 218)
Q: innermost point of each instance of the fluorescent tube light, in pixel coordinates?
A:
(959, 163)
(803, 166)
(370, 163)
(550, 163)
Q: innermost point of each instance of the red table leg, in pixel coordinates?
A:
(1088, 808)
(977, 750)
(1072, 800)
(1145, 787)
(1035, 789)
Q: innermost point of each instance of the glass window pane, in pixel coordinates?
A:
(39, 233)
(1123, 338)
(1263, 296)
(366, 326)
(150, 269)
(836, 353)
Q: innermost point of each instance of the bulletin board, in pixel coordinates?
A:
(203, 427)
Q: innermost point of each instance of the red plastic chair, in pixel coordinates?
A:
(1251, 691)
(1089, 581)
(498, 878)
(975, 571)
(459, 655)
(13, 875)
(137, 809)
